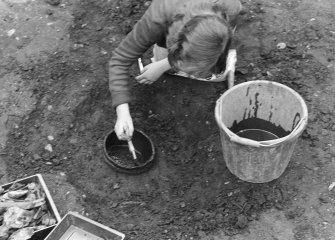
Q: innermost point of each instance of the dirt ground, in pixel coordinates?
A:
(54, 92)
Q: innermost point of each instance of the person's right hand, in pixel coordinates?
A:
(153, 71)
(124, 127)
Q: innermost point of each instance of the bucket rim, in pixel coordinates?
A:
(301, 125)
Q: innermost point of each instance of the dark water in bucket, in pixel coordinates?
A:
(258, 129)
(121, 156)
(256, 134)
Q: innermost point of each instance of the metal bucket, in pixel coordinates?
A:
(260, 161)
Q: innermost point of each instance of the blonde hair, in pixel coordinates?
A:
(198, 40)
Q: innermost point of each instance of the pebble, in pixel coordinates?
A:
(116, 186)
(103, 52)
(48, 147)
(281, 46)
(77, 45)
(50, 138)
(331, 186)
(56, 161)
(11, 32)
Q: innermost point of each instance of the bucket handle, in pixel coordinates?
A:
(244, 141)
(249, 142)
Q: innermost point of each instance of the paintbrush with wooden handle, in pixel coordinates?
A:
(132, 149)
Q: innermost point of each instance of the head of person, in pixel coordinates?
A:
(198, 40)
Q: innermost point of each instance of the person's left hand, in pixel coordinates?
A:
(152, 72)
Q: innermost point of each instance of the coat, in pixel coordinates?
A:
(151, 29)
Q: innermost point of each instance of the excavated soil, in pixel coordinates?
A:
(54, 92)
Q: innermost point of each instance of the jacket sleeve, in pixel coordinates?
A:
(147, 31)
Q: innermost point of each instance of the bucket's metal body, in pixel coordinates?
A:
(256, 164)
(260, 161)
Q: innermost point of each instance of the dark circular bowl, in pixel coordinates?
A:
(117, 154)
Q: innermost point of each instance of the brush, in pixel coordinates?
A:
(132, 149)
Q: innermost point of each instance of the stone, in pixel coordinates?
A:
(48, 147)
